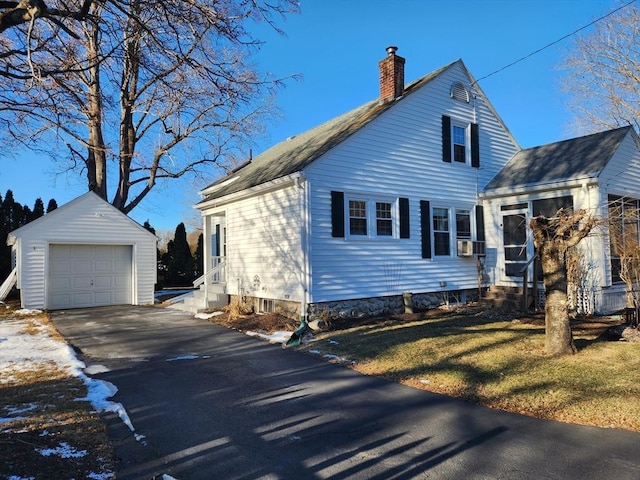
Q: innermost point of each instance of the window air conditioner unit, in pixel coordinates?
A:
(465, 248)
(479, 249)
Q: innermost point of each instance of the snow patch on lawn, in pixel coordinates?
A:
(207, 316)
(63, 450)
(26, 346)
(275, 337)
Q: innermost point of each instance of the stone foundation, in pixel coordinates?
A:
(378, 306)
(368, 307)
(283, 307)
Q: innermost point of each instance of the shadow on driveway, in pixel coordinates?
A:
(213, 403)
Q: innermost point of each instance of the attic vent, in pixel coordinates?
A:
(459, 92)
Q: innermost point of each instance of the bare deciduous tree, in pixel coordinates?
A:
(604, 73)
(553, 237)
(145, 90)
(13, 14)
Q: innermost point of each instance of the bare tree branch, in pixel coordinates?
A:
(150, 91)
(603, 73)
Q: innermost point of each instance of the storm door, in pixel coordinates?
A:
(514, 239)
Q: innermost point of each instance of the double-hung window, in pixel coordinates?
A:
(459, 137)
(443, 228)
(441, 233)
(463, 224)
(384, 219)
(357, 217)
(369, 217)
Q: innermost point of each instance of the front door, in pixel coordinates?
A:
(219, 246)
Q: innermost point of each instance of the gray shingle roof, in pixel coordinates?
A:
(295, 153)
(582, 157)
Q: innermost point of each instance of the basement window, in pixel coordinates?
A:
(266, 305)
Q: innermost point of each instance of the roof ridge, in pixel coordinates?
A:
(578, 138)
(298, 151)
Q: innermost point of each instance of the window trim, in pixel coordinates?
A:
(452, 231)
(435, 231)
(463, 211)
(371, 218)
(467, 141)
(349, 217)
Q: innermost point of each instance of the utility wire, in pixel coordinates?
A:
(556, 41)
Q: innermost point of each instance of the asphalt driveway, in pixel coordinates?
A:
(212, 403)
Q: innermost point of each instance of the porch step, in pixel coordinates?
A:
(506, 298)
(194, 302)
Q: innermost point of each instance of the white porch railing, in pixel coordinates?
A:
(8, 284)
(217, 272)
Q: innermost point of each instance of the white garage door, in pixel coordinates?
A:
(89, 276)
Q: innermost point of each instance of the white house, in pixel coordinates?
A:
(599, 173)
(380, 201)
(85, 253)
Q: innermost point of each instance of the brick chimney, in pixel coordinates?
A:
(391, 76)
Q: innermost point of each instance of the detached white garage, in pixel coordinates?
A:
(86, 253)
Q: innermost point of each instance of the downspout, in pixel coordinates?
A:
(302, 183)
(296, 337)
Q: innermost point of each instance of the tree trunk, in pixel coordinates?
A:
(552, 238)
(558, 338)
(97, 151)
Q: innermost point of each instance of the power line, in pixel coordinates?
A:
(556, 41)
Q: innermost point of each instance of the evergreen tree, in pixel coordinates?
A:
(5, 250)
(147, 226)
(160, 267)
(198, 257)
(38, 209)
(26, 216)
(12, 211)
(179, 260)
(13, 215)
(51, 206)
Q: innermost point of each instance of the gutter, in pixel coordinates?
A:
(537, 188)
(272, 185)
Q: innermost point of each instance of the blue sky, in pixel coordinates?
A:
(335, 46)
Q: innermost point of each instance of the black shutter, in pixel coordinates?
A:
(480, 223)
(217, 245)
(475, 146)
(446, 139)
(337, 214)
(479, 247)
(425, 222)
(403, 204)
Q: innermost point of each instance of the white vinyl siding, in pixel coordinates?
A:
(264, 252)
(399, 154)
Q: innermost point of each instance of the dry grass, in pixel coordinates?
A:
(45, 414)
(264, 323)
(500, 364)
(488, 358)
